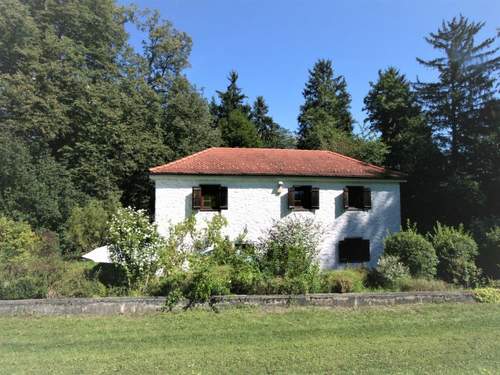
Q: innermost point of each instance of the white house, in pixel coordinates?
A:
(356, 203)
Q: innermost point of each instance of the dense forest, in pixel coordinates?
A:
(83, 116)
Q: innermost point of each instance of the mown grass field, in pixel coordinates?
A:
(446, 338)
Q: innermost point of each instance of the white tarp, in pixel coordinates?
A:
(99, 255)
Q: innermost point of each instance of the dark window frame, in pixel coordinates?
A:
(309, 200)
(218, 194)
(357, 198)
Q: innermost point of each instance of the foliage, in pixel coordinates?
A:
(205, 280)
(188, 123)
(487, 295)
(422, 285)
(486, 233)
(456, 251)
(270, 133)
(326, 107)
(76, 281)
(414, 251)
(238, 131)
(389, 272)
(136, 245)
(460, 106)
(87, 226)
(343, 281)
(289, 247)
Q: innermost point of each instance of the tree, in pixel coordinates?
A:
(238, 131)
(231, 99)
(466, 85)
(325, 109)
(189, 125)
(271, 134)
(166, 51)
(458, 105)
(394, 113)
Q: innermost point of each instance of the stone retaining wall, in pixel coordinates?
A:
(128, 305)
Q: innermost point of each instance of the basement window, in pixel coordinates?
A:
(209, 198)
(354, 250)
(357, 198)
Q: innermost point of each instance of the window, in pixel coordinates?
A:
(209, 198)
(354, 250)
(303, 197)
(357, 198)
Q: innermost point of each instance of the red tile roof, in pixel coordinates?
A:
(273, 162)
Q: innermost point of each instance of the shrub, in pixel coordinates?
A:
(136, 245)
(487, 295)
(77, 281)
(205, 280)
(87, 226)
(456, 251)
(18, 243)
(486, 233)
(413, 250)
(343, 281)
(422, 285)
(289, 247)
(389, 271)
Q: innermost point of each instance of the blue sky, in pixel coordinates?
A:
(273, 43)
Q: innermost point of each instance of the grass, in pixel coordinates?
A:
(440, 338)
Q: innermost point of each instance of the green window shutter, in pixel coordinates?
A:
(367, 198)
(196, 198)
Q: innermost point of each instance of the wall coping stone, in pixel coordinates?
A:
(133, 305)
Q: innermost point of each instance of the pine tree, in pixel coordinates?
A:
(238, 131)
(270, 133)
(231, 99)
(457, 106)
(394, 113)
(465, 86)
(326, 108)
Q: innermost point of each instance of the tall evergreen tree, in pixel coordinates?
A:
(231, 99)
(394, 113)
(238, 131)
(326, 108)
(457, 106)
(465, 86)
(271, 134)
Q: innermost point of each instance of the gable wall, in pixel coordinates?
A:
(253, 203)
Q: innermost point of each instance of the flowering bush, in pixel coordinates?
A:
(136, 245)
(390, 270)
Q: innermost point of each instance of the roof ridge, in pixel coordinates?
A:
(182, 159)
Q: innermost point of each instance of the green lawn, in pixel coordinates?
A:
(446, 338)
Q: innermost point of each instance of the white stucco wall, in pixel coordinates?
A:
(253, 203)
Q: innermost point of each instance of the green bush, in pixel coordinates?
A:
(422, 285)
(456, 251)
(77, 281)
(414, 250)
(22, 287)
(288, 252)
(343, 281)
(205, 280)
(388, 272)
(486, 232)
(487, 295)
(87, 226)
